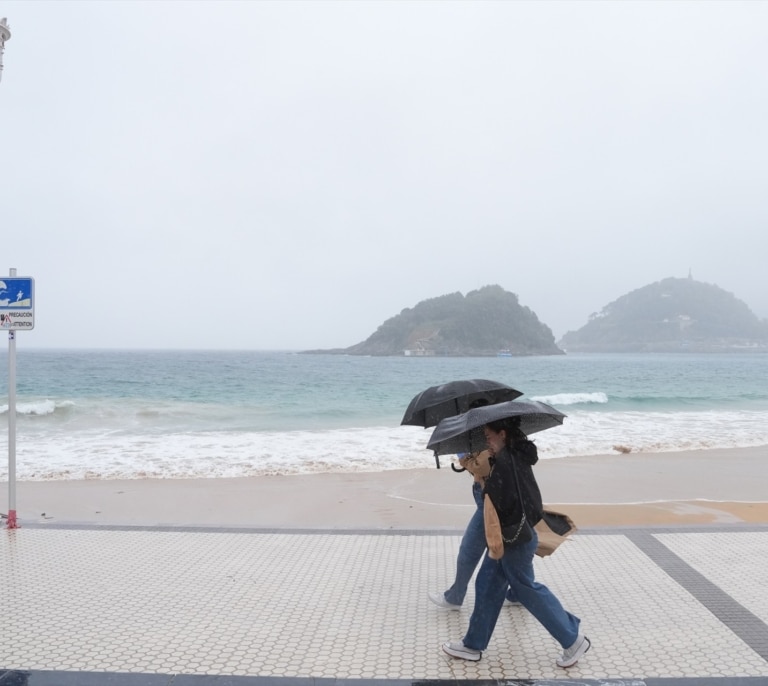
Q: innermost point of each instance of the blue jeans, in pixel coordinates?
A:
(470, 551)
(516, 569)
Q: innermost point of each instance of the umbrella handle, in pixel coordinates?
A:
(458, 471)
(437, 460)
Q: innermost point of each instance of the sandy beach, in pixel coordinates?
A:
(710, 486)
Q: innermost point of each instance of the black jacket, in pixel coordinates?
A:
(501, 485)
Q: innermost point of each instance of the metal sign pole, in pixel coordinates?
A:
(18, 314)
(12, 430)
(5, 35)
(12, 524)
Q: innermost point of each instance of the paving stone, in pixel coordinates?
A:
(183, 607)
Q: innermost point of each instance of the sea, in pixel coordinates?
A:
(131, 414)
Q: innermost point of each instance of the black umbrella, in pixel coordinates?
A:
(452, 398)
(462, 433)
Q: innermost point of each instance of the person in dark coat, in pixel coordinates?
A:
(473, 543)
(514, 493)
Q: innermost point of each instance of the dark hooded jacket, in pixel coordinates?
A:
(501, 485)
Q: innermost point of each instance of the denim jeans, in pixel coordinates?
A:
(516, 569)
(470, 551)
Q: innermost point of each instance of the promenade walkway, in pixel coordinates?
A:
(150, 606)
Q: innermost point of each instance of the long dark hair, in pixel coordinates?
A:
(512, 426)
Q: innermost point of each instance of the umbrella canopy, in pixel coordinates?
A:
(463, 433)
(452, 398)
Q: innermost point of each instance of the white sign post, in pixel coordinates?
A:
(17, 312)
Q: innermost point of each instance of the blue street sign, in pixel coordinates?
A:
(17, 303)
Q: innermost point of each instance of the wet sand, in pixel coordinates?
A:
(696, 487)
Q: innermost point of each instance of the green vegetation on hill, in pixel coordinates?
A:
(671, 315)
(484, 322)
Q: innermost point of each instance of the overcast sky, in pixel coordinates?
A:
(289, 175)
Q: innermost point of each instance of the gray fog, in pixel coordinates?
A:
(288, 175)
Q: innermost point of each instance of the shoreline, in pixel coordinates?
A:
(693, 487)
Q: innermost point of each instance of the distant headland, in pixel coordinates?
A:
(672, 315)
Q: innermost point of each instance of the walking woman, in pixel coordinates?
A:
(473, 543)
(515, 497)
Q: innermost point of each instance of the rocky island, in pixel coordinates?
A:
(487, 322)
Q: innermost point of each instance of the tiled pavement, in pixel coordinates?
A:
(145, 606)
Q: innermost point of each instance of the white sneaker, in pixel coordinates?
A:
(439, 600)
(458, 649)
(512, 603)
(571, 655)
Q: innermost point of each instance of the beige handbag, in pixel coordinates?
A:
(492, 530)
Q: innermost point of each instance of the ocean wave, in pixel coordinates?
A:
(572, 398)
(38, 408)
(109, 455)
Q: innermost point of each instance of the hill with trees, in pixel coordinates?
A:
(488, 321)
(671, 315)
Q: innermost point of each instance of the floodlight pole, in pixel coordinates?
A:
(5, 34)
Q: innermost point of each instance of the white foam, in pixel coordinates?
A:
(102, 454)
(38, 407)
(572, 398)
